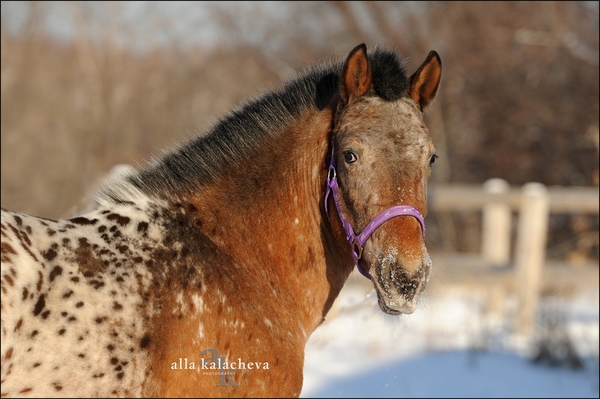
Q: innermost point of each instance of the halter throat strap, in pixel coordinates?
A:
(357, 241)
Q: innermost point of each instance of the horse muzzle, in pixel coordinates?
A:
(398, 288)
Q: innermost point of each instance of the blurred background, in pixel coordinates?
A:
(86, 86)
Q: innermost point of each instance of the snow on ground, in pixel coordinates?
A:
(450, 347)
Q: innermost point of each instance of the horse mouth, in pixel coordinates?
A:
(398, 290)
(386, 309)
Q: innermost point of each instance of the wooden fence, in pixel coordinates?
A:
(534, 204)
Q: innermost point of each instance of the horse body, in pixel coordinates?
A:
(205, 273)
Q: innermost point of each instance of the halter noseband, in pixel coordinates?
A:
(357, 242)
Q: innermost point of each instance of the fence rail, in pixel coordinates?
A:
(534, 203)
(572, 200)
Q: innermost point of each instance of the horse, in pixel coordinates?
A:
(204, 272)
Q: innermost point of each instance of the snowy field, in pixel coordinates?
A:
(450, 347)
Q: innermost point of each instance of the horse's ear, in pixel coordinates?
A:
(425, 81)
(356, 76)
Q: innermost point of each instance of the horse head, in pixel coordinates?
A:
(382, 154)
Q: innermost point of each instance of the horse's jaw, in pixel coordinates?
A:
(398, 289)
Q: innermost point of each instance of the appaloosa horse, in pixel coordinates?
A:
(205, 272)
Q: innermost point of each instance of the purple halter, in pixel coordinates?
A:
(358, 241)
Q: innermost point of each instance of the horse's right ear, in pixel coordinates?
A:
(356, 76)
(425, 81)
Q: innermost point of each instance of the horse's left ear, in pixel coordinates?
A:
(356, 76)
(425, 81)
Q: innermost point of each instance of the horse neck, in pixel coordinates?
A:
(269, 219)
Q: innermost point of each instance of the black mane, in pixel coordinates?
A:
(243, 131)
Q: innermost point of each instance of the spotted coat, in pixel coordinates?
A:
(75, 302)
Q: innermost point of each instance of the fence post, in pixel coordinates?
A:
(495, 226)
(530, 252)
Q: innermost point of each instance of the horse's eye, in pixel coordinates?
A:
(432, 160)
(350, 157)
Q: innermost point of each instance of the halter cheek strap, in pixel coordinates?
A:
(357, 242)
